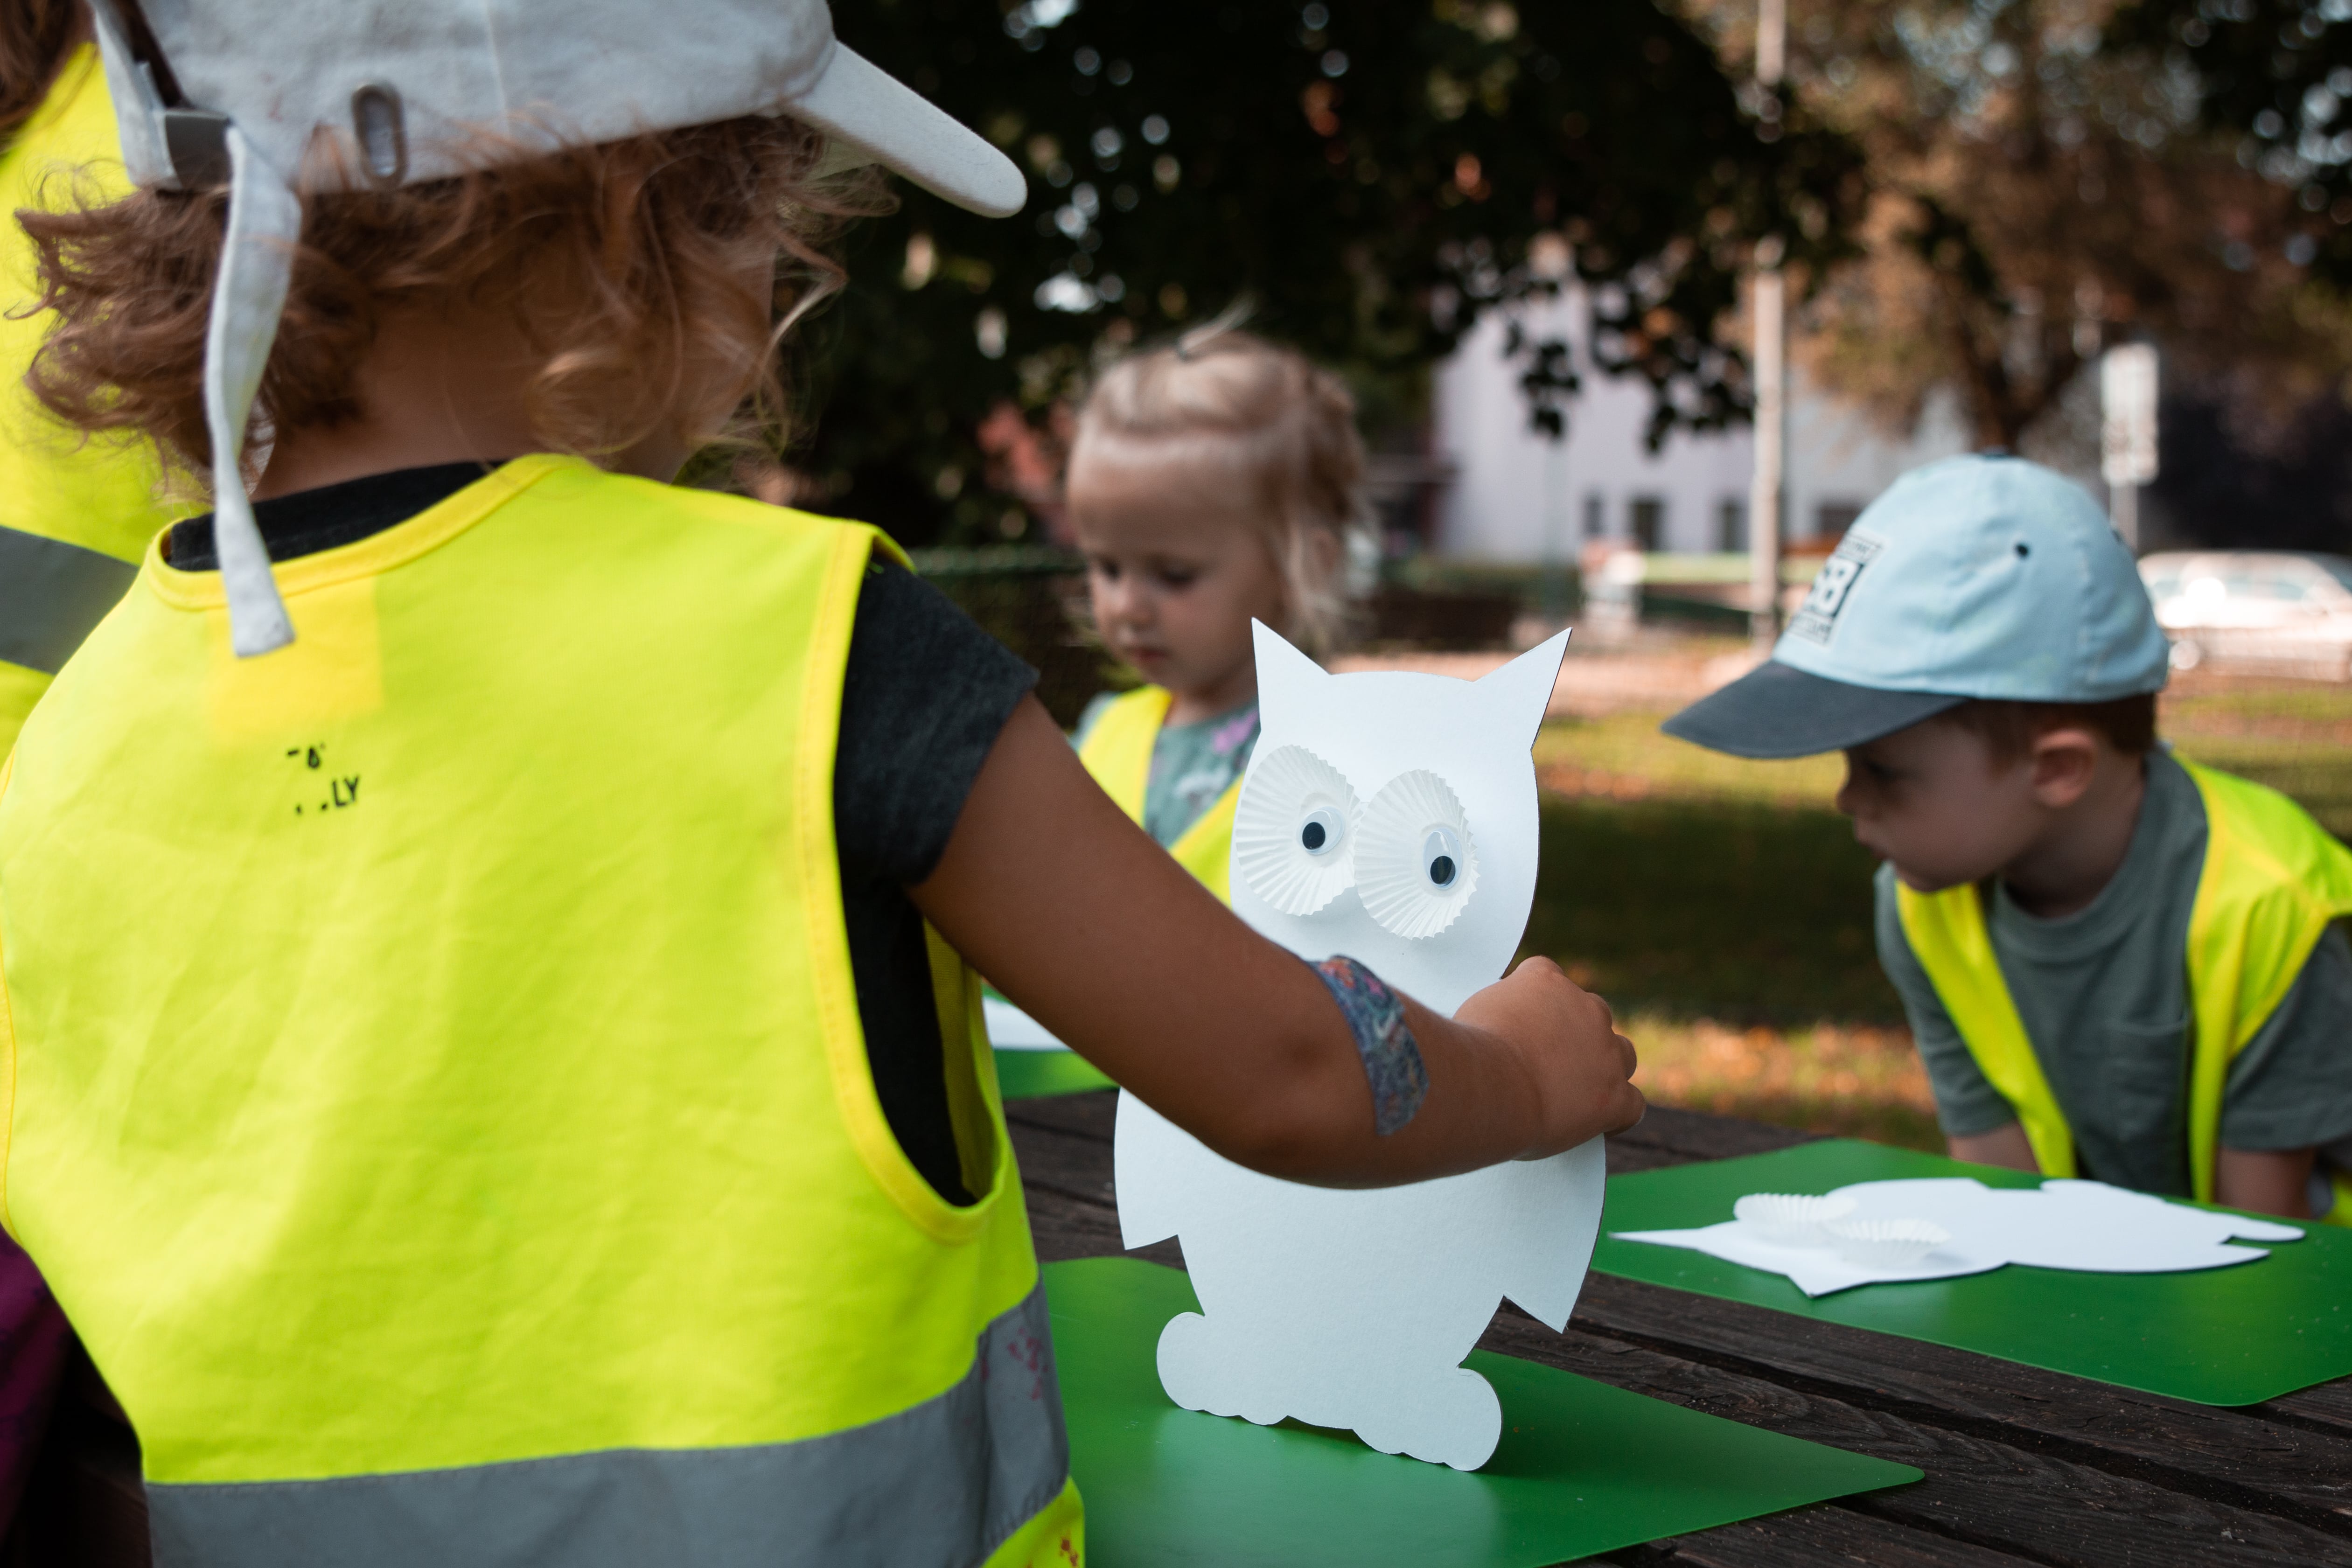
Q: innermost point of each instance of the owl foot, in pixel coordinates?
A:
(1454, 1420)
(1201, 1372)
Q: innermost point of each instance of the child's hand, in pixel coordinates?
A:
(1578, 1068)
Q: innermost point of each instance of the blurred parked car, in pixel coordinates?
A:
(2269, 610)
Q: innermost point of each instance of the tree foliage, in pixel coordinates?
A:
(1372, 175)
(2036, 194)
(2276, 75)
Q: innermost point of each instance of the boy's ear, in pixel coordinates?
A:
(1286, 678)
(2065, 760)
(1520, 691)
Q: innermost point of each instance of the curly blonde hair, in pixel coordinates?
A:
(1288, 424)
(663, 230)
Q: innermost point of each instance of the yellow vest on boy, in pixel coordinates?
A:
(75, 512)
(1118, 752)
(437, 1090)
(2272, 880)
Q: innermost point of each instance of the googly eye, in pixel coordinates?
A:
(1323, 831)
(1441, 858)
(1416, 863)
(1295, 832)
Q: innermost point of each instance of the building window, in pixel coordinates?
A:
(1596, 516)
(1730, 525)
(1831, 518)
(1649, 521)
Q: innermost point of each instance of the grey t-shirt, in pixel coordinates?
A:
(1191, 765)
(2104, 995)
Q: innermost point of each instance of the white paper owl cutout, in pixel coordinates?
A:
(1390, 817)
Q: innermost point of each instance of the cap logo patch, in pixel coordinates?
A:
(1817, 617)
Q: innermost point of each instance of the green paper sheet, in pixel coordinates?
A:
(1033, 1075)
(2219, 1336)
(1583, 1467)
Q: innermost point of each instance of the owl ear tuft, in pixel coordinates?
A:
(1286, 678)
(1520, 692)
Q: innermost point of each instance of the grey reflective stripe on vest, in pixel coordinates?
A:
(51, 594)
(945, 1482)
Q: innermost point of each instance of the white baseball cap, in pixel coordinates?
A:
(1977, 577)
(242, 90)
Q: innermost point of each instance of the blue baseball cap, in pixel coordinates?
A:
(1978, 576)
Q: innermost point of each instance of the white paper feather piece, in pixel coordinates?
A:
(1295, 832)
(1416, 864)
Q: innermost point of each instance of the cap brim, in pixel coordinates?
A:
(1777, 710)
(858, 102)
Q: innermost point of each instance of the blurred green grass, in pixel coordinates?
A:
(2297, 739)
(1724, 909)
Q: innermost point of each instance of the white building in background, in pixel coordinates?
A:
(1518, 496)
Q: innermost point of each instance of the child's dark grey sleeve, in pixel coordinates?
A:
(2291, 1087)
(1966, 1103)
(923, 700)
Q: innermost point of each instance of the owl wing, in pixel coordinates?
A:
(1554, 1207)
(1144, 1171)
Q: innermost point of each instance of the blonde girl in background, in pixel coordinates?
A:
(1213, 482)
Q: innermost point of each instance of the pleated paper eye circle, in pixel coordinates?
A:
(1416, 864)
(1295, 832)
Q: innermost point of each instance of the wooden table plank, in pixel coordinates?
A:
(1694, 1135)
(1822, 1534)
(2327, 1407)
(1987, 1493)
(1093, 1115)
(1066, 1227)
(1064, 1163)
(2228, 1455)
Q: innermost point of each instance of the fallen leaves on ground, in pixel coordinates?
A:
(1858, 1081)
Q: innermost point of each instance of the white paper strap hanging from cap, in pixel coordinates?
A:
(264, 221)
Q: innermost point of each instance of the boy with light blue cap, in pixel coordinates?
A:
(2116, 964)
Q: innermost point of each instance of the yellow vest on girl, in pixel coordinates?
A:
(1118, 752)
(2272, 880)
(436, 1092)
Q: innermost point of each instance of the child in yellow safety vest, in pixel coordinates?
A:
(1213, 482)
(75, 510)
(2118, 963)
(494, 1075)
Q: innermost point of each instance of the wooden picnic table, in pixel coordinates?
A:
(2024, 1467)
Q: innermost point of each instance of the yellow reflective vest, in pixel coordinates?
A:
(434, 1078)
(1118, 752)
(2272, 880)
(75, 513)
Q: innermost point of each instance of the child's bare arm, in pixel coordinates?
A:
(1090, 927)
(2004, 1146)
(2267, 1181)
